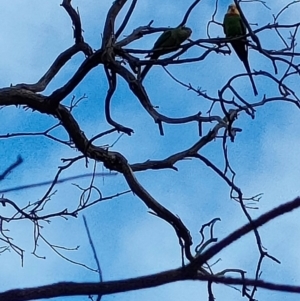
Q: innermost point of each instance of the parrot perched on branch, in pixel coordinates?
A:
(234, 27)
(168, 41)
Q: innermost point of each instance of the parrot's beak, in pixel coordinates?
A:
(232, 9)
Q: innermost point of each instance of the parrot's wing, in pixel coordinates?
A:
(243, 27)
(225, 25)
(162, 39)
(180, 35)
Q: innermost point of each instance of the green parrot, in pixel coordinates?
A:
(168, 41)
(233, 27)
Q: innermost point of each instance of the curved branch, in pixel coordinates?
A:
(10, 168)
(185, 18)
(139, 91)
(254, 224)
(126, 19)
(109, 27)
(61, 60)
(91, 62)
(190, 152)
(66, 4)
(112, 82)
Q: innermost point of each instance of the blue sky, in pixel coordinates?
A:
(129, 241)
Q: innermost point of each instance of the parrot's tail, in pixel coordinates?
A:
(246, 63)
(253, 85)
(242, 52)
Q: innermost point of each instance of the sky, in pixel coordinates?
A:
(129, 241)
